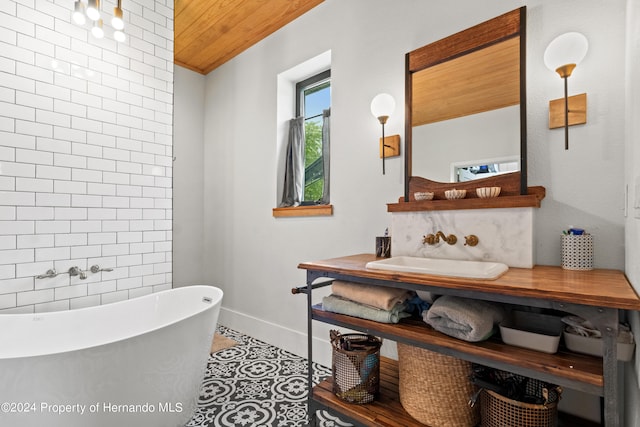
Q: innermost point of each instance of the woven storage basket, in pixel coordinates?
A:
(435, 388)
(500, 411)
(355, 369)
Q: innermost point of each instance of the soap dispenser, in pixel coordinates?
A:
(383, 245)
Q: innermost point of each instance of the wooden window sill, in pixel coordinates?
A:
(313, 210)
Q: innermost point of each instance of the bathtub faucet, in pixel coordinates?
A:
(77, 271)
(50, 273)
(73, 271)
(96, 268)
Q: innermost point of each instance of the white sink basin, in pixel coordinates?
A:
(441, 267)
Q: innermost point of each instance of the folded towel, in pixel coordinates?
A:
(464, 318)
(382, 297)
(336, 304)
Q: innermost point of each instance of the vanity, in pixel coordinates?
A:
(597, 295)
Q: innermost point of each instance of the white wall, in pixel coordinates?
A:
(585, 184)
(85, 154)
(188, 170)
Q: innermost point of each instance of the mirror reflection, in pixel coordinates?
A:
(466, 107)
(440, 149)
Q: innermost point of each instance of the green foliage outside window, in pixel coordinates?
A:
(313, 97)
(314, 177)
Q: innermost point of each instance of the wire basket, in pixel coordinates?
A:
(531, 402)
(435, 388)
(499, 411)
(355, 366)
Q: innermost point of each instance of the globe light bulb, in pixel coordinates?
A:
(383, 105)
(119, 36)
(97, 30)
(93, 10)
(78, 13)
(117, 22)
(566, 49)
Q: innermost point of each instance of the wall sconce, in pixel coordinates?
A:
(562, 55)
(382, 106)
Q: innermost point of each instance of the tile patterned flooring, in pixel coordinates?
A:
(254, 384)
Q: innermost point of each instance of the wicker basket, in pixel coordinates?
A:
(500, 411)
(355, 366)
(435, 388)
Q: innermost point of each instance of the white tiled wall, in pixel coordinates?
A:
(85, 154)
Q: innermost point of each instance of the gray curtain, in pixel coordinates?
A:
(294, 165)
(326, 116)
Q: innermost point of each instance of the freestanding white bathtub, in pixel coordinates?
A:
(138, 362)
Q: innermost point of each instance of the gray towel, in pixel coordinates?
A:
(468, 319)
(336, 304)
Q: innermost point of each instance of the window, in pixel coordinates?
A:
(303, 178)
(313, 96)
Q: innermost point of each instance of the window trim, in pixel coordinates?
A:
(287, 81)
(303, 210)
(309, 83)
(300, 86)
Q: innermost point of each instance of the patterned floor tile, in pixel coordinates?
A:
(255, 384)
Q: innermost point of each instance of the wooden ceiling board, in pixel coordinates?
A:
(208, 33)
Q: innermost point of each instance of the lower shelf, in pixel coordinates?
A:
(386, 410)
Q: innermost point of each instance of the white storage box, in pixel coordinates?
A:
(534, 331)
(593, 346)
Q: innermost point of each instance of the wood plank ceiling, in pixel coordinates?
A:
(208, 33)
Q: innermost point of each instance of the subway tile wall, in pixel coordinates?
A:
(85, 154)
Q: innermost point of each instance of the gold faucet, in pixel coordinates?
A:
(432, 239)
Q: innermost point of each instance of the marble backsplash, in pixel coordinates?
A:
(504, 235)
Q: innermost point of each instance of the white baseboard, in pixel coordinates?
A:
(277, 335)
(290, 339)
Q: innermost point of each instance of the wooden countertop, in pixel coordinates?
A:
(600, 287)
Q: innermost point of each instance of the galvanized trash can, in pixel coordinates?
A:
(355, 366)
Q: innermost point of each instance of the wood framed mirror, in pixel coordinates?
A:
(466, 94)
